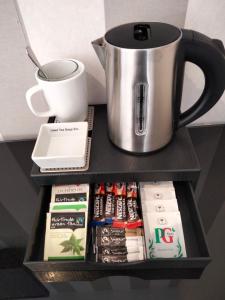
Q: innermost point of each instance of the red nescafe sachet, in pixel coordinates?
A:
(120, 205)
(133, 218)
(99, 205)
(116, 204)
(109, 203)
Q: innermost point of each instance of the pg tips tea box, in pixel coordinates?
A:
(164, 236)
(65, 237)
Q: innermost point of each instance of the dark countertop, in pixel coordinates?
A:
(18, 202)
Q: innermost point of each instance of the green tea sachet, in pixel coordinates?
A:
(65, 237)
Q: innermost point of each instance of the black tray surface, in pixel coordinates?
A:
(190, 267)
(177, 161)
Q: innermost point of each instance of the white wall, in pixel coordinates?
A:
(58, 29)
(16, 76)
(124, 11)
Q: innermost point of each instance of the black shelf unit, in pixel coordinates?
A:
(177, 162)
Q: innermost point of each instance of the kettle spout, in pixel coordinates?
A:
(99, 48)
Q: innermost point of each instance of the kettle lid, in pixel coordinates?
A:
(142, 35)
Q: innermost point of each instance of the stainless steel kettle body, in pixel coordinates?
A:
(140, 96)
(144, 91)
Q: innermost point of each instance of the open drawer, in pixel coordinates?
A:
(190, 267)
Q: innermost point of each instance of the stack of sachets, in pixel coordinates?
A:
(66, 224)
(117, 223)
(116, 204)
(164, 236)
(118, 245)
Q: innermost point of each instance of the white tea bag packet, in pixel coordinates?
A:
(152, 194)
(164, 236)
(135, 256)
(156, 184)
(70, 193)
(65, 236)
(159, 206)
(135, 239)
(158, 190)
(134, 242)
(135, 249)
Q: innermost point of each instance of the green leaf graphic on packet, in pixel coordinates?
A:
(73, 244)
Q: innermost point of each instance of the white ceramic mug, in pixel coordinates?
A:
(65, 90)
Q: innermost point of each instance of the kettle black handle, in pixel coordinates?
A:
(208, 54)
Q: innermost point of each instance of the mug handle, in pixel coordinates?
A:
(29, 94)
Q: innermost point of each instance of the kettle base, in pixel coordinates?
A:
(141, 153)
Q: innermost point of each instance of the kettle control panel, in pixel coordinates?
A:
(141, 90)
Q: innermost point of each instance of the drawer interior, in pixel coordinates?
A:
(196, 246)
(193, 231)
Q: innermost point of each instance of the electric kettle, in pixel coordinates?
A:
(144, 66)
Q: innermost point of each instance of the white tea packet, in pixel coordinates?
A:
(134, 242)
(156, 184)
(136, 256)
(157, 190)
(132, 235)
(70, 193)
(152, 194)
(159, 206)
(65, 236)
(164, 236)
